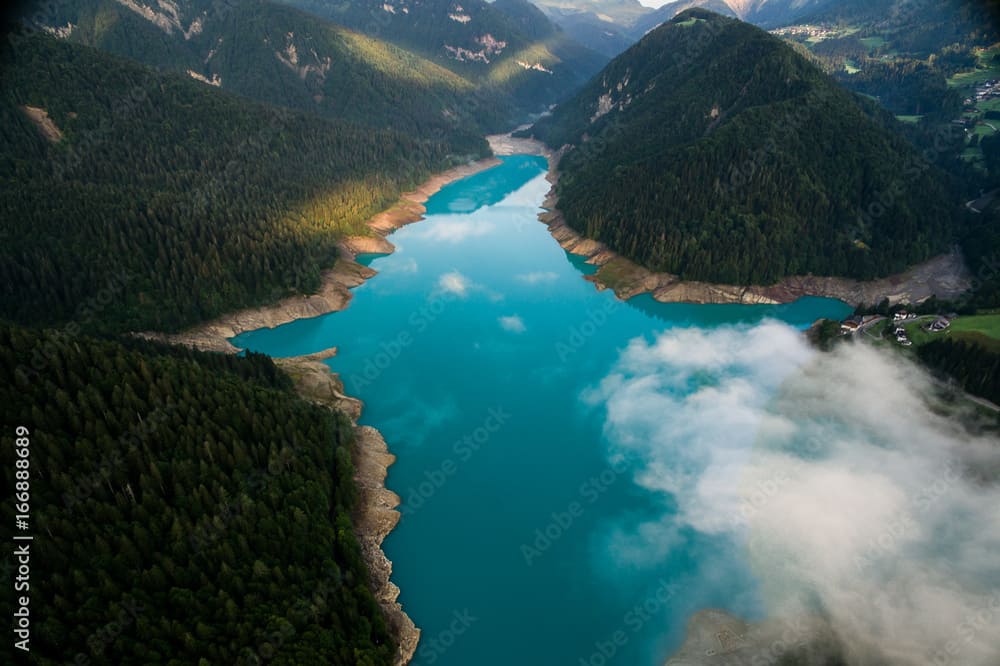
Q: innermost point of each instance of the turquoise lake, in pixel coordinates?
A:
(471, 350)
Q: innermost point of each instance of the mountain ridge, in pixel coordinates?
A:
(700, 152)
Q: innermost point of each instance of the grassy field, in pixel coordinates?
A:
(916, 332)
(873, 43)
(988, 324)
(984, 71)
(989, 105)
(982, 129)
(909, 119)
(983, 329)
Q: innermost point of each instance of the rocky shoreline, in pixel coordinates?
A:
(944, 276)
(334, 291)
(376, 513)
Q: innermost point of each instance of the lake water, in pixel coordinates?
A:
(473, 350)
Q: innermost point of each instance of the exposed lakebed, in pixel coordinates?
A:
(474, 350)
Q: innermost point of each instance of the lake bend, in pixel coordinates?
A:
(476, 351)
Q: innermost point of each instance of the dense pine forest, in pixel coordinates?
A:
(166, 202)
(715, 151)
(975, 367)
(163, 163)
(188, 509)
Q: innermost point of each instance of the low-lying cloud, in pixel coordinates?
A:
(454, 283)
(512, 324)
(858, 502)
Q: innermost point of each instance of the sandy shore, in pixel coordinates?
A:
(376, 514)
(944, 276)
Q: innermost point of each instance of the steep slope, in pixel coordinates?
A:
(893, 29)
(195, 510)
(927, 61)
(276, 54)
(534, 66)
(671, 9)
(160, 201)
(712, 150)
(587, 28)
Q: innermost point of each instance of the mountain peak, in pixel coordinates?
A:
(710, 128)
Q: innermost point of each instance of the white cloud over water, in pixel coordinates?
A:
(512, 324)
(454, 283)
(856, 499)
(455, 230)
(538, 277)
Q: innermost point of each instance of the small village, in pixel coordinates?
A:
(881, 327)
(985, 91)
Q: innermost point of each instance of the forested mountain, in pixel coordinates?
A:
(532, 65)
(713, 150)
(587, 28)
(188, 509)
(139, 200)
(282, 56)
(671, 9)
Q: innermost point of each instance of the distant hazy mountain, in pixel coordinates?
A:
(507, 47)
(280, 55)
(765, 13)
(714, 150)
(618, 12)
(585, 27)
(612, 25)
